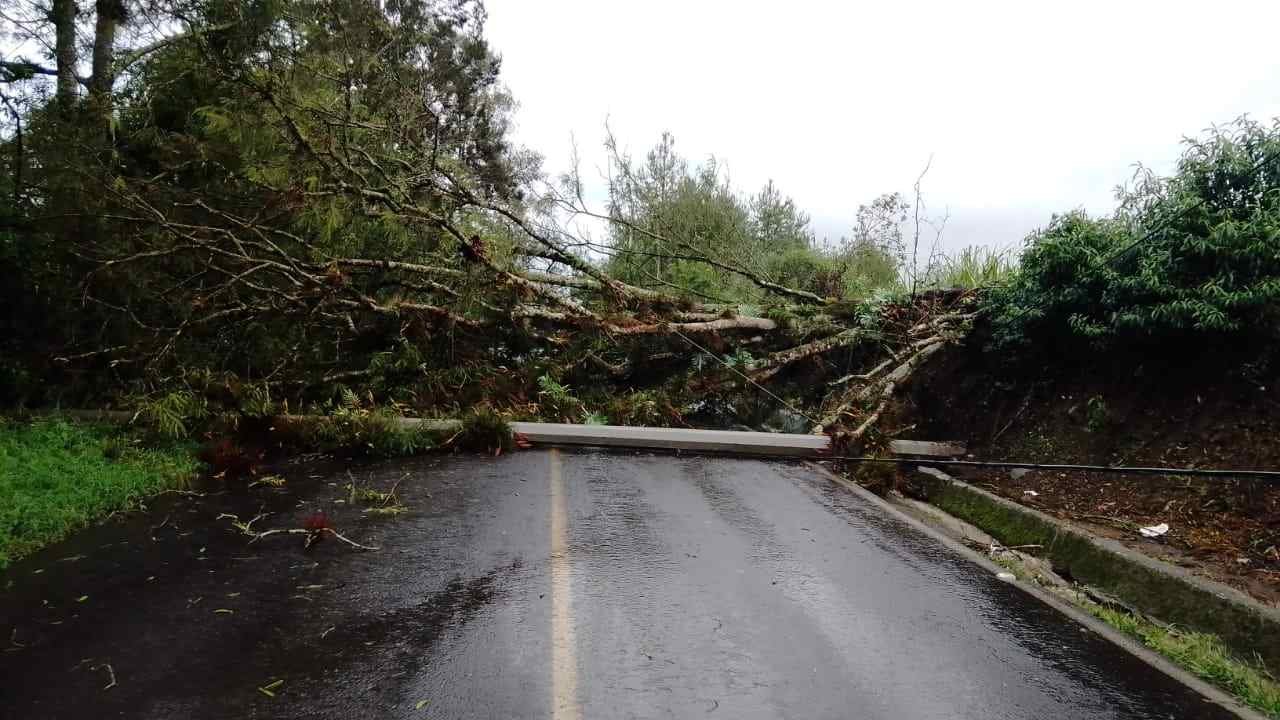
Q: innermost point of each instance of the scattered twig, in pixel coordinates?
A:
(312, 534)
(863, 376)
(270, 688)
(110, 672)
(187, 493)
(1107, 518)
(1026, 401)
(391, 494)
(244, 527)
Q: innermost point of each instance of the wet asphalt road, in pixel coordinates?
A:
(549, 585)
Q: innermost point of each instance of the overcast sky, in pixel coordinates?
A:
(1027, 107)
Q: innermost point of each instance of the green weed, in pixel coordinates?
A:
(974, 267)
(56, 476)
(1203, 655)
(352, 429)
(174, 414)
(485, 430)
(1097, 416)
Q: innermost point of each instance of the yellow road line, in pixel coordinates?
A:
(564, 661)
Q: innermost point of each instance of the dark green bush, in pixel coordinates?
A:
(1194, 255)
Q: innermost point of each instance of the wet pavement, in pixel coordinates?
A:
(547, 585)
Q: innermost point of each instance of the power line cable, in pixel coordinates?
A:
(744, 376)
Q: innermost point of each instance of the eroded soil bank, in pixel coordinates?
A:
(1209, 408)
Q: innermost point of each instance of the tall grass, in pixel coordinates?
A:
(974, 267)
(57, 476)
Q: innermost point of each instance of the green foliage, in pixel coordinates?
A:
(868, 311)
(1097, 416)
(1196, 255)
(651, 408)
(256, 402)
(866, 269)
(174, 414)
(351, 429)
(805, 268)
(1204, 655)
(555, 400)
(673, 213)
(485, 430)
(200, 137)
(875, 257)
(976, 266)
(740, 360)
(56, 476)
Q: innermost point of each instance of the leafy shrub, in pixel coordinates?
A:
(1197, 254)
(805, 268)
(866, 268)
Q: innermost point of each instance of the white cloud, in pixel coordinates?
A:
(1027, 107)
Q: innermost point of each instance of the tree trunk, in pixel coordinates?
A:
(64, 22)
(110, 14)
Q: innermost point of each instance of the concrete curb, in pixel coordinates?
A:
(1211, 693)
(1163, 591)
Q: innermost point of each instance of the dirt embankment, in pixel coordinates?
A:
(1210, 406)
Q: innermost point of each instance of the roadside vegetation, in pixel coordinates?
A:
(1203, 655)
(57, 476)
(1190, 258)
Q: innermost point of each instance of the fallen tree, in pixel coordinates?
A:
(335, 207)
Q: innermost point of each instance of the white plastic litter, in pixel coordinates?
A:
(1007, 576)
(1030, 493)
(1154, 530)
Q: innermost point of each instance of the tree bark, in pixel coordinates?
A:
(64, 23)
(110, 13)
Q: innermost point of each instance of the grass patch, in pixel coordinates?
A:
(1204, 656)
(57, 476)
(974, 267)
